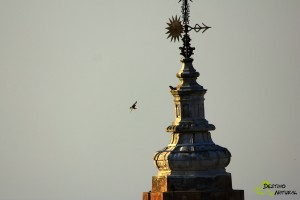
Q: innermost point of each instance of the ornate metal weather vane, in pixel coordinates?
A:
(176, 27)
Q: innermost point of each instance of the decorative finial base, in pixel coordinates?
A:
(192, 166)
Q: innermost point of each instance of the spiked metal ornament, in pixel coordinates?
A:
(175, 28)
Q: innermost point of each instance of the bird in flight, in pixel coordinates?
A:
(133, 107)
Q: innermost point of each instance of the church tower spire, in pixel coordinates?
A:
(192, 166)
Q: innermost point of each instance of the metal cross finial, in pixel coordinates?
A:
(176, 28)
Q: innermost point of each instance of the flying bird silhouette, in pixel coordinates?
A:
(133, 107)
(172, 88)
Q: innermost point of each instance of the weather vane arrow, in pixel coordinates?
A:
(198, 28)
(176, 28)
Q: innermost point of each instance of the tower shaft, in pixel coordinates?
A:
(191, 166)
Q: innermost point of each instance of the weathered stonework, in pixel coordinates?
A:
(191, 195)
(192, 166)
(191, 183)
(191, 151)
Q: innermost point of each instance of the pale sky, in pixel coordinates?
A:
(70, 70)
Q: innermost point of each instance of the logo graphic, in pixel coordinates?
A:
(266, 188)
(261, 190)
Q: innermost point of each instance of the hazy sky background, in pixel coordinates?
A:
(70, 69)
